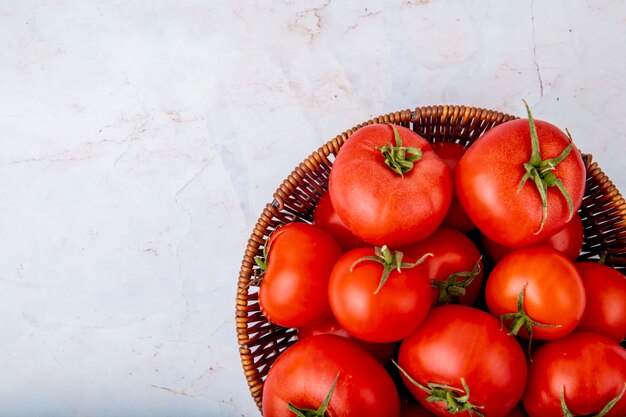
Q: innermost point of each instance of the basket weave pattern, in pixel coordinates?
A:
(603, 213)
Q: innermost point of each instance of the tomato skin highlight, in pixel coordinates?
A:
(554, 292)
(451, 153)
(590, 367)
(453, 252)
(459, 341)
(380, 206)
(303, 375)
(605, 312)
(568, 241)
(388, 316)
(326, 218)
(294, 290)
(381, 351)
(488, 176)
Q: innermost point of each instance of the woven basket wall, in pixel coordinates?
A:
(603, 213)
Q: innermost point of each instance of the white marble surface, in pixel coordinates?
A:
(140, 141)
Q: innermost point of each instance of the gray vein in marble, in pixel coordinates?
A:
(189, 214)
(362, 17)
(303, 25)
(140, 128)
(537, 68)
(170, 390)
(60, 157)
(229, 150)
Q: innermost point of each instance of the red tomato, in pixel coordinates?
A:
(381, 351)
(381, 206)
(467, 351)
(326, 217)
(373, 313)
(605, 312)
(303, 376)
(588, 369)
(541, 288)
(568, 241)
(451, 153)
(489, 175)
(294, 290)
(451, 267)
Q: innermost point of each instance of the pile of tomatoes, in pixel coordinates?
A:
(440, 280)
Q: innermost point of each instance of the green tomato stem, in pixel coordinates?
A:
(398, 158)
(389, 262)
(454, 286)
(522, 319)
(457, 400)
(321, 411)
(602, 413)
(541, 172)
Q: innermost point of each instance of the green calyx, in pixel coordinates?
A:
(400, 159)
(457, 400)
(389, 262)
(261, 261)
(521, 319)
(541, 172)
(454, 286)
(602, 413)
(321, 411)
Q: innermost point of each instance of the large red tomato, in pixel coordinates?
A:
(463, 360)
(584, 371)
(375, 302)
(326, 217)
(455, 269)
(502, 176)
(388, 185)
(294, 290)
(605, 289)
(568, 241)
(381, 351)
(536, 290)
(304, 374)
(451, 153)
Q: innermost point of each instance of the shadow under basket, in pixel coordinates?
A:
(603, 214)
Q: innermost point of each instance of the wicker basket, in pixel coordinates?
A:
(603, 213)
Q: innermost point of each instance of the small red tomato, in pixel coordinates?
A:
(521, 181)
(461, 359)
(538, 291)
(304, 374)
(326, 217)
(294, 290)
(577, 375)
(374, 301)
(605, 288)
(381, 351)
(455, 270)
(568, 241)
(388, 185)
(451, 153)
